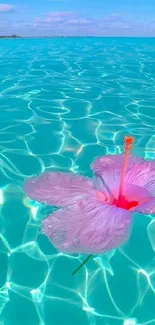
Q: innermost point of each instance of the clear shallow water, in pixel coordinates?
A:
(62, 103)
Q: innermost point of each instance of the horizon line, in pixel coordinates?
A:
(76, 36)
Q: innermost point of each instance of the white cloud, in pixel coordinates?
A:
(6, 7)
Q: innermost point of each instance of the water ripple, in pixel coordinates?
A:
(64, 102)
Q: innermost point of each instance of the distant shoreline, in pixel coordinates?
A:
(15, 36)
(9, 36)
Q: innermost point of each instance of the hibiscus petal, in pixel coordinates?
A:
(147, 208)
(59, 189)
(88, 227)
(110, 167)
(136, 193)
(152, 163)
(150, 182)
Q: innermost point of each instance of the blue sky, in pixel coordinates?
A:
(78, 17)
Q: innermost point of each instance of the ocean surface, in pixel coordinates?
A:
(63, 102)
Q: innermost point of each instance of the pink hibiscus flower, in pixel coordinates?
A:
(96, 214)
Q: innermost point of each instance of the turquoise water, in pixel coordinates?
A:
(62, 103)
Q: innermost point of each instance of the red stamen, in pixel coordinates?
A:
(128, 142)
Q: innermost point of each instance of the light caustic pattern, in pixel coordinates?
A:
(64, 102)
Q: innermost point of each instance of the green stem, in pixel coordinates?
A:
(84, 262)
